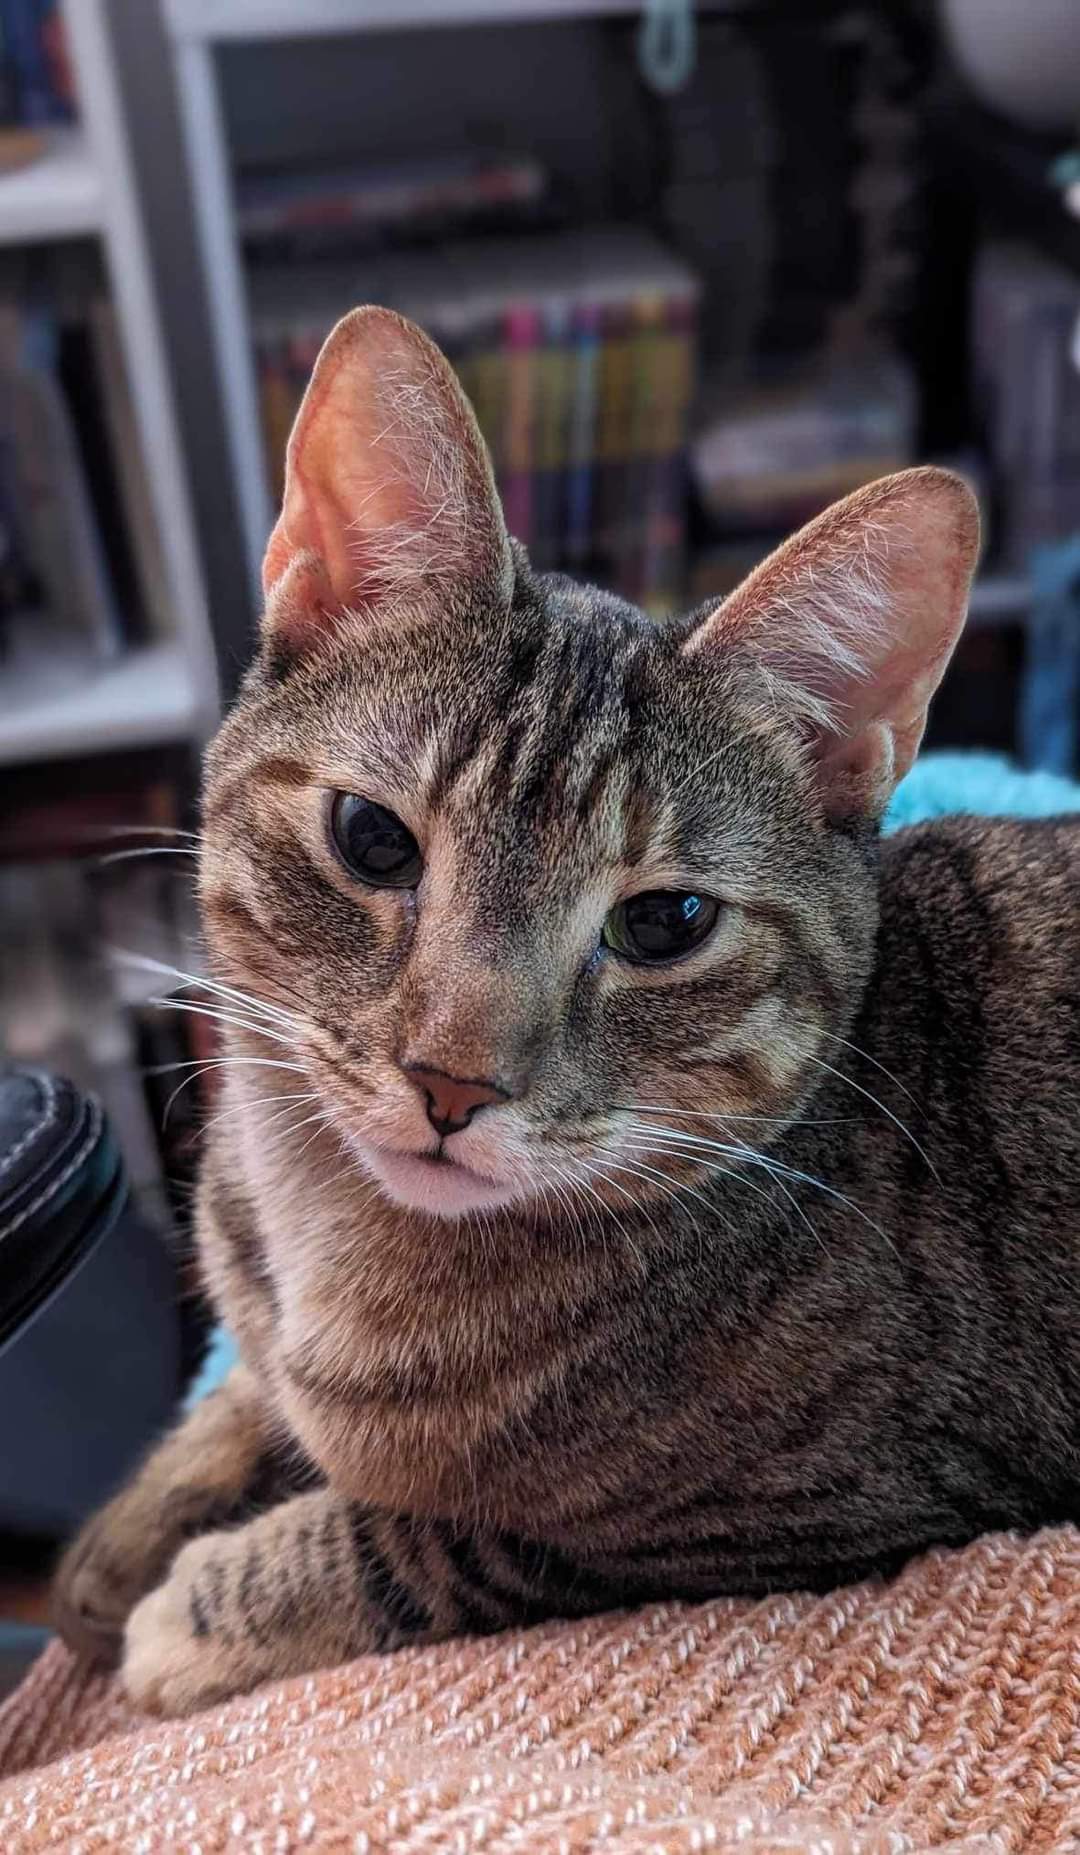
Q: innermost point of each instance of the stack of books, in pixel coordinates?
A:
(319, 212)
(577, 351)
(80, 564)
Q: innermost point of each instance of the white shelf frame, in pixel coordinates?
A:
(85, 185)
(236, 21)
(145, 698)
(56, 195)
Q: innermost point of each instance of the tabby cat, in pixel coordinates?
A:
(634, 1176)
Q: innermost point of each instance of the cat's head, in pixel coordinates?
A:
(549, 895)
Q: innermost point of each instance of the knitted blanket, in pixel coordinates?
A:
(938, 1711)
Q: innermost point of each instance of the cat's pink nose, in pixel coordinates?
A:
(452, 1100)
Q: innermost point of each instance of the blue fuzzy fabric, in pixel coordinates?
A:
(220, 1358)
(981, 783)
(941, 783)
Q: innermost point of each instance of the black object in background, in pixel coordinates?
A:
(89, 1331)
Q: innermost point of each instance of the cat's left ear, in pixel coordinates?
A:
(390, 505)
(851, 625)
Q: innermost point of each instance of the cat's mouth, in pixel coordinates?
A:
(434, 1182)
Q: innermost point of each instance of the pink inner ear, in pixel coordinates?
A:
(388, 490)
(853, 622)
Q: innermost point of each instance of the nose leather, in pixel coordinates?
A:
(452, 1100)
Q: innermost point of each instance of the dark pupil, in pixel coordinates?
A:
(662, 923)
(374, 843)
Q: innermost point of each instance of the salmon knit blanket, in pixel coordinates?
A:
(939, 1711)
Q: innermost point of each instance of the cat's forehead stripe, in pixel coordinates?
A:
(275, 769)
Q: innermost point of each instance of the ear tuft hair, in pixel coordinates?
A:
(851, 624)
(389, 509)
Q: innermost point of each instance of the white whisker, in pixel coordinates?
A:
(218, 1016)
(820, 1063)
(148, 830)
(866, 1056)
(700, 1114)
(147, 850)
(776, 1168)
(202, 982)
(595, 1170)
(300, 1096)
(221, 1062)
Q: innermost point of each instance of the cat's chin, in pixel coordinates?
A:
(438, 1186)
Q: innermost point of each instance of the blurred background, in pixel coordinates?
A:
(701, 269)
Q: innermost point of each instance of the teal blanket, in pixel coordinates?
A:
(936, 785)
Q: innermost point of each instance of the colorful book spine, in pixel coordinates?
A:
(489, 374)
(551, 436)
(665, 494)
(522, 331)
(644, 414)
(612, 435)
(584, 367)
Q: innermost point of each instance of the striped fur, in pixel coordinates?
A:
(778, 1285)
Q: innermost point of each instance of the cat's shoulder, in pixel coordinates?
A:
(1029, 866)
(963, 836)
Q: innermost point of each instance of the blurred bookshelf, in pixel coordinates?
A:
(209, 40)
(108, 672)
(104, 634)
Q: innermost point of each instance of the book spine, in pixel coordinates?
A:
(551, 435)
(521, 332)
(615, 394)
(663, 523)
(581, 435)
(489, 389)
(644, 413)
(68, 551)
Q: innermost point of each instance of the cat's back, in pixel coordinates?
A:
(1003, 891)
(976, 998)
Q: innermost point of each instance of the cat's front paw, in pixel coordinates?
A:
(175, 1660)
(123, 1552)
(193, 1642)
(120, 1554)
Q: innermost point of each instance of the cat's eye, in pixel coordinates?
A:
(660, 924)
(374, 844)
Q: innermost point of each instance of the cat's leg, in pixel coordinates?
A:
(318, 1580)
(194, 1479)
(291, 1591)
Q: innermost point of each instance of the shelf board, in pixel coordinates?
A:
(58, 195)
(57, 711)
(220, 20)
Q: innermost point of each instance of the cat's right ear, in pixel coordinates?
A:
(390, 509)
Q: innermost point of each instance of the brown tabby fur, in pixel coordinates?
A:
(682, 1369)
